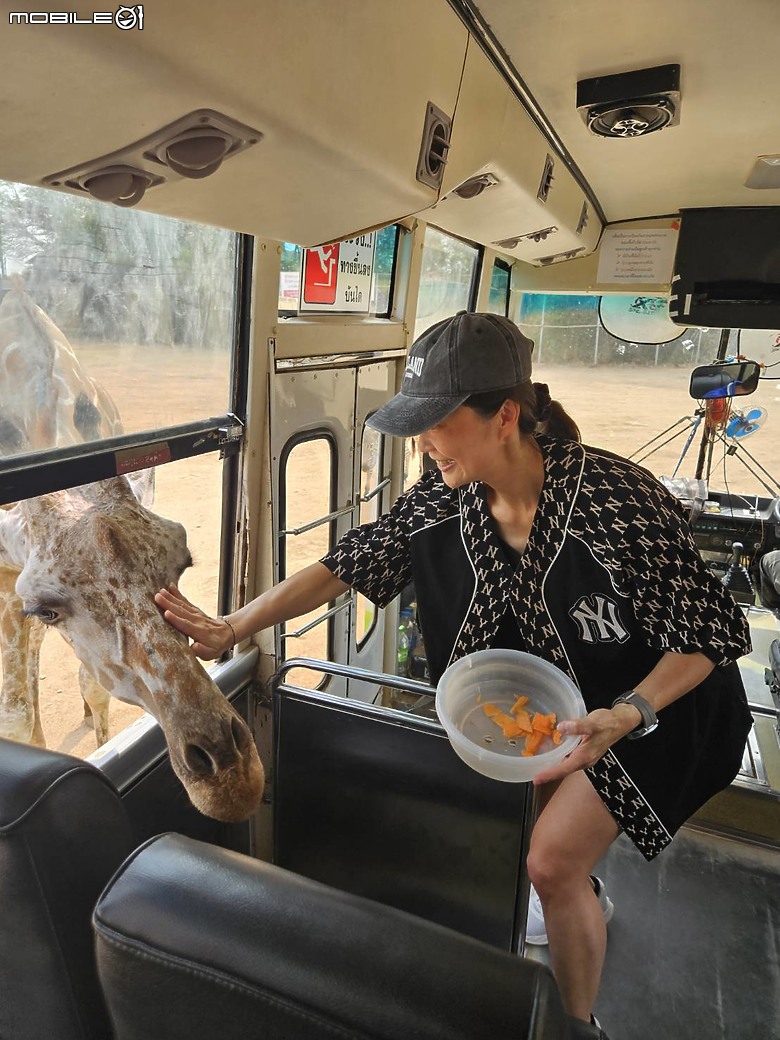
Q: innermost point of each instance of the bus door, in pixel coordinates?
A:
(329, 473)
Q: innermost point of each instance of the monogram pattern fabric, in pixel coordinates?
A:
(629, 807)
(596, 507)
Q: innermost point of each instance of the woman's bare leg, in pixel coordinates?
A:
(572, 833)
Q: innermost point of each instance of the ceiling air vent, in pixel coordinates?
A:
(194, 146)
(547, 178)
(122, 185)
(475, 186)
(434, 146)
(569, 255)
(631, 104)
(197, 145)
(582, 223)
(533, 236)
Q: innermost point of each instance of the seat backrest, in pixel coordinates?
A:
(63, 833)
(195, 942)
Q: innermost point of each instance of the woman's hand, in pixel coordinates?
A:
(211, 637)
(600, 729)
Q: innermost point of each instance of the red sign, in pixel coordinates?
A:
(320, 274)
(132, 459)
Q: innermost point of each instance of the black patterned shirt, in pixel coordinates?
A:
(609, 581)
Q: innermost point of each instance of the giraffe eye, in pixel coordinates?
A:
(47, 615)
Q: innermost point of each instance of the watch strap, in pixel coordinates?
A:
(649, 717)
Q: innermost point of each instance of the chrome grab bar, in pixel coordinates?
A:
(375, 491)
(318, 523)
(395, 682)
(317, 621)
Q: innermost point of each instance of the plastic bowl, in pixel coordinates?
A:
(499, 677)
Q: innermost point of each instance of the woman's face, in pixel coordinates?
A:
(464, 446)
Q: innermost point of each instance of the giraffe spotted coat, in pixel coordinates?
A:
(609, 581)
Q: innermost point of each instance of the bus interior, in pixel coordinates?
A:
(236, 219)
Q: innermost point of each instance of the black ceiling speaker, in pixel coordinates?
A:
(631, 104)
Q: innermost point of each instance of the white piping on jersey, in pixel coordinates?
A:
(599, 563)
(436, 523)
(572, 670)
(476, 578)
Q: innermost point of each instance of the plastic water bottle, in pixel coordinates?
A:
(404, 644)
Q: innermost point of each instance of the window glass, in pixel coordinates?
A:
(413, 462)
(447, 278)
(381, 281)
(634, 399)
(140, 303)
(290, 277)
(307, 481)
(189, 491)
(371, 470)
(114, 321)
(498, 299)
(384, 258)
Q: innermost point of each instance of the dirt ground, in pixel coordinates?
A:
(619, 409)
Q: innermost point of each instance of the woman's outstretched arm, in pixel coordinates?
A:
(308, 589)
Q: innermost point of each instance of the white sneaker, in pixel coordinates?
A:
(535, 929)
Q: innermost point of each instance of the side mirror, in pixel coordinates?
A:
(731, 380)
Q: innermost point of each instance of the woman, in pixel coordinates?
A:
(534, 542)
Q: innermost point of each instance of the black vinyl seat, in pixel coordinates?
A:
(194, 941)
(63, 833)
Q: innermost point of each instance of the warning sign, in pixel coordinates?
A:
(337, 277)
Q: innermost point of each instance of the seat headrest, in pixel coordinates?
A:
(240, 948)
(63, 833)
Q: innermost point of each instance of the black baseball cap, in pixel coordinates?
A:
(460, 356)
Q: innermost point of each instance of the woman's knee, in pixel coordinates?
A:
(549, 870)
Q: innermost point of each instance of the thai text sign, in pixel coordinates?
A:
(337, 277)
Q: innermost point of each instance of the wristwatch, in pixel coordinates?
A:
(649, 718)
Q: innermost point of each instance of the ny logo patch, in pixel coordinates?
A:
(598, 619)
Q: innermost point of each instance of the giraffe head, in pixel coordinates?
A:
(95, 557)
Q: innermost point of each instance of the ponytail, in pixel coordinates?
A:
(551, 417)
(538, 412)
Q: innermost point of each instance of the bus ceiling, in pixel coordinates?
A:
(311, 122)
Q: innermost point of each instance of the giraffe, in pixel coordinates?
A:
(47, 400)
(89, 561)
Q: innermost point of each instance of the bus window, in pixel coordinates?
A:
(381, 281)
(384, 266)
(134, 314)
(306, 497)
(637, 402)
(146, 303)
(413, 463)
(371, 469)
(290, 278)
(447, 279)
(498, 299)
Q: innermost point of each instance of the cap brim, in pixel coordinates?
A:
(405, 416)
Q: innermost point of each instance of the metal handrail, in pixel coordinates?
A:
(398, 682)
(317, 621)
(375, 491)
(347, 671)
(763, 709)
(318, 523)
